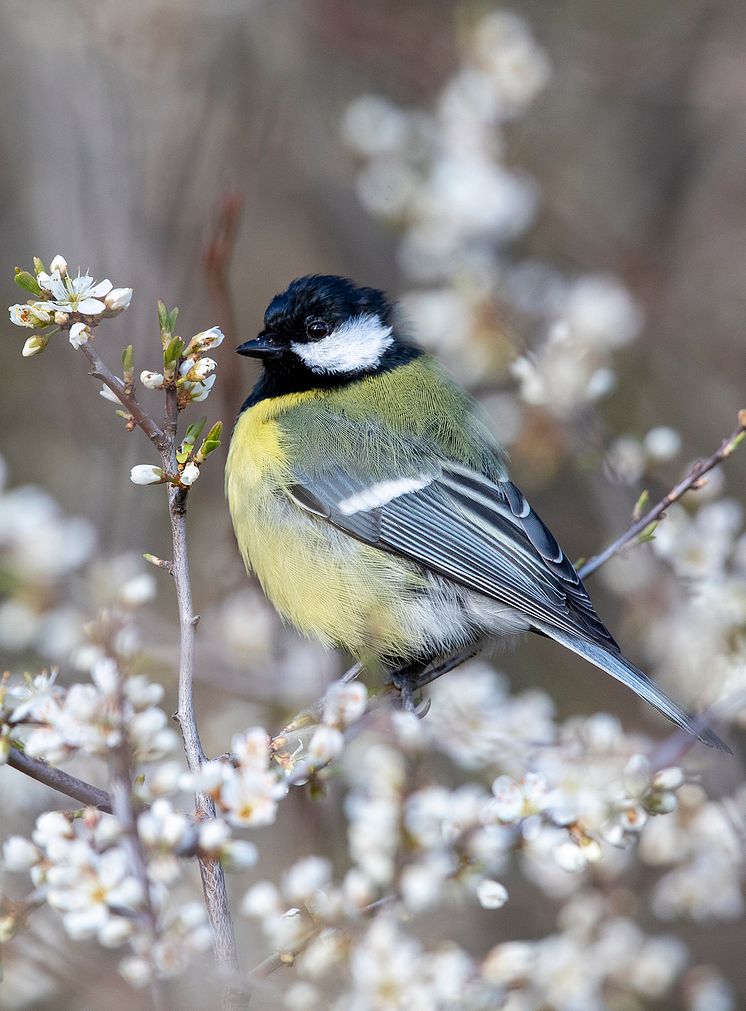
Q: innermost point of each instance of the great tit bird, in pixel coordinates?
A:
(376, 509)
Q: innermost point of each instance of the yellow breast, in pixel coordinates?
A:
(326, 583)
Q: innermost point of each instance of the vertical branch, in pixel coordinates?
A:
(213, 877)
(212, 874)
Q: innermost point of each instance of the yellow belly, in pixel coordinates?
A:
(323, 581)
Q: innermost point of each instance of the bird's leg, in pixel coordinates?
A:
(413, 676)
(442, 665)
(404, 679)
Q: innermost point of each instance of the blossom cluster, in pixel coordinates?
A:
(83, 865)
(62, 301)
(489, 805)
(354, 941)
(443, 176)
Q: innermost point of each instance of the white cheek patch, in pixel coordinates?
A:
(380, 494)
(356, 345)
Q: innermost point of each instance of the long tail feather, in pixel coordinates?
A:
(621, 669)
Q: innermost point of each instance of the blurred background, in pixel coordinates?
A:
(569, 236)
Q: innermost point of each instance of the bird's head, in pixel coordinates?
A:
(325, 329)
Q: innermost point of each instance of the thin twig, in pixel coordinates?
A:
(307, 717)
(62, 782)
(126, 397)
(280, 960)
(697, 472)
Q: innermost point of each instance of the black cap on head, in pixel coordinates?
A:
(325, 330)
(333, 299)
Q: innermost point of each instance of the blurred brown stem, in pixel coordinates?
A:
(216, 260)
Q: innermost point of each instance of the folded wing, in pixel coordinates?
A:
(484, 535)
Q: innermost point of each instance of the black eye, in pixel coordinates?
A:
(317, 329)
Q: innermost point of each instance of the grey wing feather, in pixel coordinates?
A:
(484, 535)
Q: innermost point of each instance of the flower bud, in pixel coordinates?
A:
(34, 346)
(213, 835)
(20, 854)
(326, 744)
(189, 474)
(195, 372)
(79, 334)
(145, 473)
(238, 854)
(152, 380)
(206, 340)
(200, 391)
(118, 300)
(61, 318)
(670, 778)
(58, 263)
(491, 894)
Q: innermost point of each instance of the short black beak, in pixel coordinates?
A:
(261, 347)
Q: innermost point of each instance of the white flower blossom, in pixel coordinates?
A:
(249, 797)
(75, 294)
(327, 743)
(345, 703)
(20, 854)
(30, 314)
(491, 894)
(200, 391)
(80, 334)
(206, 340)
(197, 371)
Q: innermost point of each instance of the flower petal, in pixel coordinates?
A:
(100, 289)
(91, 307)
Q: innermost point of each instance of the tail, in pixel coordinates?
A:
(621, 669)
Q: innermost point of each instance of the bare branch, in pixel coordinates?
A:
(62, 782)
(126, 397)
(692, 479)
